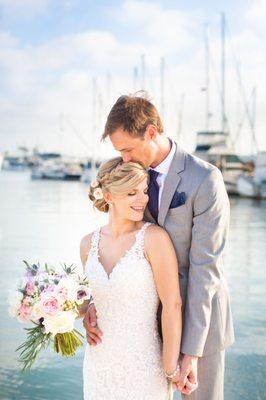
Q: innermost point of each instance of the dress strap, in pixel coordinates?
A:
(140, 239)
(94, 243)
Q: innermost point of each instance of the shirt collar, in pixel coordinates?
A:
(164, 166)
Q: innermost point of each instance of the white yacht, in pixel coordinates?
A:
(212, 147)
(254, 185)
(58, 169)
(1, 160)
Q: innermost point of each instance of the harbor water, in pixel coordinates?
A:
(45, 220)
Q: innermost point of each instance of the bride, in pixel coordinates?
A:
(131, 265)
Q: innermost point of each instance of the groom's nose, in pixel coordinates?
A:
(126, 157)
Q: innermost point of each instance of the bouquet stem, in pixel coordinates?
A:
(67, 343)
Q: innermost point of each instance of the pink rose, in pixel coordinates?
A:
(24, 312)
(26, 301)
(50, 303)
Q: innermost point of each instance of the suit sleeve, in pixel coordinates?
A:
(209, 231)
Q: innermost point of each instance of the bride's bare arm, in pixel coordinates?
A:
(161, 254)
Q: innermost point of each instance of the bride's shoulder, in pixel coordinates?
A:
(85, 245)
(155, 233)
(153, 229)
(85, 242)
(157, 242)
(156, 239)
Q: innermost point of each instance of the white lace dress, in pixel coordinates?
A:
(127, 365)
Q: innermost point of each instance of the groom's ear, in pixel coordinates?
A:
(151, 132)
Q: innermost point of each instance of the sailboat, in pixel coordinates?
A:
(214, 146)
(1, 160)
(61, 168)
(254, 184)
(97, 157)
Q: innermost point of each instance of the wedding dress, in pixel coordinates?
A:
(127, 365)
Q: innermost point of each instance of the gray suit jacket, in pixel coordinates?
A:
(198, 230)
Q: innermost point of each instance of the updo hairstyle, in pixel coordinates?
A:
(115, 177)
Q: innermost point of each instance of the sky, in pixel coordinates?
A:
(63, 64)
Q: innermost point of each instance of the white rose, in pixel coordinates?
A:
(36, 312)
(63, 322)
(15, 295)
(71, 286)
(14, 301)
(94, 184)
(13, 309)
(98, 194)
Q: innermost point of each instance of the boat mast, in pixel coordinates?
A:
(180, 117)
(108, 88)
(253, 119)
(162, 67)
(223, 50)
(135, 78)
(94, 99)
(143, 72)
(207, 78)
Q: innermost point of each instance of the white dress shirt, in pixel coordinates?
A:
(163, 169)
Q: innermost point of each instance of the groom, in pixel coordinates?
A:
(188, 199)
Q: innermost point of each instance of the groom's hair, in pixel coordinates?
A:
(133, 113)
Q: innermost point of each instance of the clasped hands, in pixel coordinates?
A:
(185, 381)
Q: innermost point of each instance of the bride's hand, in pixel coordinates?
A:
(188, 388)
(175, 379)
(93, 333)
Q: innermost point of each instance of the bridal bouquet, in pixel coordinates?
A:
(50, 301)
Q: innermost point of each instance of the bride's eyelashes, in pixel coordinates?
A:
(134, 193)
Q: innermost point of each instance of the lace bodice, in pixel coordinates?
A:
(127, 364)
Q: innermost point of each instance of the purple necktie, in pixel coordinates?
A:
(153, 193)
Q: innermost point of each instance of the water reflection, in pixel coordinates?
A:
(45, 221)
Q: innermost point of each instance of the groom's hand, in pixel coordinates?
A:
(188, 381)
(93, 333)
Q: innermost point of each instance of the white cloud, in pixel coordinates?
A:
(13, 9)
(155, 24)
(7, 40)
(47, 80)
(256, 12)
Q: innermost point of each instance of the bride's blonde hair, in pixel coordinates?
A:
(116, 177)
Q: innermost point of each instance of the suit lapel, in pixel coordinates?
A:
(171, 183)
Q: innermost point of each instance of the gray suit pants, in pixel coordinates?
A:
(210, 378)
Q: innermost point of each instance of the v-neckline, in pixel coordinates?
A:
(123, 256)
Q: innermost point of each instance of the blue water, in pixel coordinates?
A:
(45, 220)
